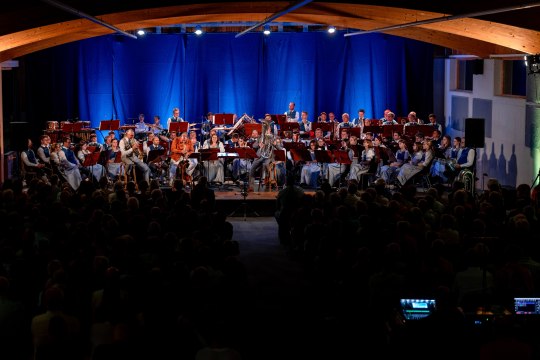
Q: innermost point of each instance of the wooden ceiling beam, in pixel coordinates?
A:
(473, 36)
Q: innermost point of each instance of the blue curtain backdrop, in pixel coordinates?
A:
(115, 77)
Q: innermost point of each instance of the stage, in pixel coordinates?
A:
(230, 200)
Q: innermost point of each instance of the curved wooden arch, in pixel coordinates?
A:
(471, 36)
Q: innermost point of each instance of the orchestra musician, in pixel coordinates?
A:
(30, 160)
(215, 167)
(156, 127)
(113, 168)
(156, 165)
(206, 126)
(345, 124)
(132, 153)
(292, 114)
(363, 164)
(141, 128)
(44, 150)
(240, 167)
(181, 149)
(338, 171)
(265, 150)
(174, 118)
(305, 124)
(67, 169)
(389, 172)
(311, 169)
(407, 171)
(96, 170)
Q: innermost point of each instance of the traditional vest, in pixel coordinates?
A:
(291, 114)
(400, 156)
(463, 156)
(46, 151)
(31, 156)
(70, 155)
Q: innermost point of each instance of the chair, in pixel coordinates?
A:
(269, 177)
(125, 174)
(367, 178)
(27, 173)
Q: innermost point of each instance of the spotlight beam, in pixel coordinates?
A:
(89, 17)
(275, 16)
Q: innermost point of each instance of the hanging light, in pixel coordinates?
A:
(331, 29)
(266, 30)
(198, 30)
(141, 32)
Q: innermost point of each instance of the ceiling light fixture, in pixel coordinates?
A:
(266, 30)
(140, 32)
(331, 29)
(198, 30)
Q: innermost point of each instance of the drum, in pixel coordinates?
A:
(52, 125)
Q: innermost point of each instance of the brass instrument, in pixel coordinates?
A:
(134, 144)
(466, 176)
(267, 147)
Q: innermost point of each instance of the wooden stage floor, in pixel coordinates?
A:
(229, 199)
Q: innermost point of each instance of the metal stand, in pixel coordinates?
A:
(244, 192)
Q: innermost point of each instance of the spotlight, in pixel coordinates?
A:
(198, 30)
(266, 30)
(533, 63)
(331, 29)
(141, 32)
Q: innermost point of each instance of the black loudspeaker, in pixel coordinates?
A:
(19, 132)
(475, 132)
(533, 63)
(478, 67)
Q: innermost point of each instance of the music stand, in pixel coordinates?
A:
(208, 155)
(279, 119)
(374, 129)
(154, 154)
(290, 126)
(354, 131)
(245, 153)
(223, 119)
(250, 127)
(90, 160)
(228, 154)
(324, 157)
(342, 158)
(180, 127)
(108, 125)
(389, 130)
